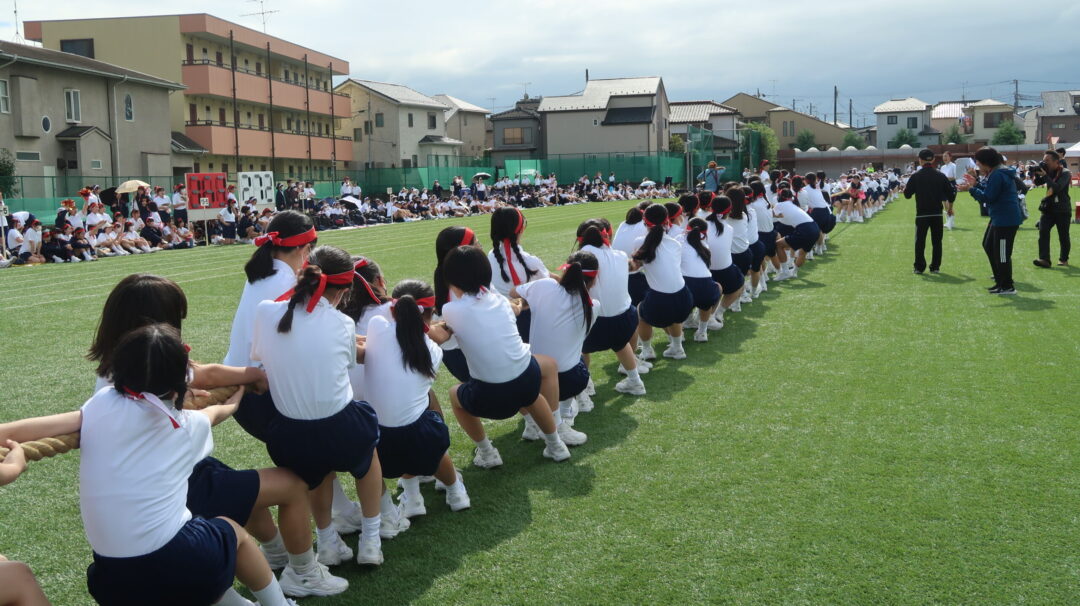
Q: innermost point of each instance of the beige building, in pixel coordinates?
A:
(985, 117)
(80, 120)
(946, 114)
(253, 102)
(619, 115)
(466, 123)
(787, 123)
(750, 108)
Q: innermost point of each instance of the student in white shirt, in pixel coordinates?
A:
(563, 314)
(759, 206)
(948, 168)
(504, 376)
(307, 347)
(616, 324)
(30, 245)
(227, 220)
(668, 301)
(736, 221)
(447, 240)
(180, 203)
(626, 235)
(813, 200)
(803, 236)
(721, 266)
(696, 274)
(510, 265)
(402, 357)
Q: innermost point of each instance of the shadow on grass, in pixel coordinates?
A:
(945, 278)
(1023, 303)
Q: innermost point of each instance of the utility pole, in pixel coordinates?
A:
(835, 96)
(492, 99)
(851, 121)
(811, 112)
(1016, 95)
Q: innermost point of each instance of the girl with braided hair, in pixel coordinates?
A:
(696, 274)
(510, 265)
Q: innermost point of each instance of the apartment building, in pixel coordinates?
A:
(252, 101)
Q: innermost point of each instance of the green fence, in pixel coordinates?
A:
(627, 167)
(702, 149)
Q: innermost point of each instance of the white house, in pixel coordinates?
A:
(708, 115)
(911, 114)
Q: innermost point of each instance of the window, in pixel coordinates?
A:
(95, 164)
(288, 123)
(913, 123)
(286, 75)
(129, 109)
(5, 98)
(225, 167)
(378, 120)
(431, 121)
(596, 123)
(24, 156)
(196, 168)
(367, 127)
(994, 119)
(410, 121)
(406, 163)
(514, 136)
(892, 120)
(784, 129)
(262, 121)
(221, 116)
(415, 160)
(358, 134)
(72, 107)
(219, 59)
(205, 58)
(258, 68)
(1058, 126)
(83, 47)
(46, 124)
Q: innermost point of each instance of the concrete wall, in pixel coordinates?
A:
(582, 132)
(825, 134)
(383, 142)
(981, 134)
(469, 128)
(408, 137)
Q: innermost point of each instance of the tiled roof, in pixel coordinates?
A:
(696, 112)
(23, 53)
(401, 94)
(1058, 103)
(949, 109)
(184, 144)
(911, 104)
(597, 93)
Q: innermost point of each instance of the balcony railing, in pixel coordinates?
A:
(263, 74)
(283, 131)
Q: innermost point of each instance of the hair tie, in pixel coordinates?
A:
(131, 394)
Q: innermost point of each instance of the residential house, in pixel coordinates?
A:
(515, 133)
(393, 125)
(911, 114)
(618, 115)
(868, 134)
(252, 102)
(788, 123)
(78, 119)
(1059, 117)
(465, 122)
(750, 108)
(946, 114)
(708, 115)
(983, 118)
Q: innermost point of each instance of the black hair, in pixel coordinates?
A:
(467, 268)
(811, 180)
(591, 233)
(1053, 155)
(287, 223)
(774, 176)
(785, 195)
(989, 156)
(797, 183)
(656, 214)
(411, 324)
(697, 231)
(504, 224)
(447, 240)
(738, 202)
(633, 216)
(820, 176)
(324, 259)
(689, 204)
(674, 210)
(574, 281)
(718, 206)
(151, 359)
(758, 188)
(705, 198)
(359, 298)
(138, 300)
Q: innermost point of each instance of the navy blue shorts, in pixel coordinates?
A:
(824, 219)
(454, 361)
(730, 279)
(611, 332)
(768, 240)
(500, 400)
(217, 490)
(524, 322)
(783, 230)
(255, 413)
(415, 449)
(228, 231)
(662, 309)
(573, 381)
(742, 260)
(638, 286)
(705, 291)
(196, 567)
(757, 252)
(804, 236)
(312, 449)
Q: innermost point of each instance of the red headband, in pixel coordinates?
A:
(588, 273)
(291, 241)
(422, 302)
(650, 224)
(363, 262)
(605, 237)
(521, 222)
(342, 279)
(468, 238)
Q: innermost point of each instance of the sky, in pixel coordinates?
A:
(792, 51)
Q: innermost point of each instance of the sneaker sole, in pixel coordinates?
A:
(557, 460)
(675, 356)
(370, 563)
(304, 592)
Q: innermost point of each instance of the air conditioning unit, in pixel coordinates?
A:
(61, 164)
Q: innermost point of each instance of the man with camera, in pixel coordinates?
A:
(933, 192)
(1056, 207)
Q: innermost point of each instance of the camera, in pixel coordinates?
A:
(1040, 167)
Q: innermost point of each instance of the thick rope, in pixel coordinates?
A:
(50, 447)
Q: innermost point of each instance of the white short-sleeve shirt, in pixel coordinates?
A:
(31, 237)
(398, 393)
(557, 326)
(626, 235)
(664, 273)
(531, 262)
(738, 227)
(693, 266)
(790, 214)
(611, 281)
(356, 373)
(243, 326)
(719, 247)
(760, 208)
(486, 331)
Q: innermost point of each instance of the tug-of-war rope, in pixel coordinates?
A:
(50, 447)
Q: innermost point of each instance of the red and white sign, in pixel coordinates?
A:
(207, 195)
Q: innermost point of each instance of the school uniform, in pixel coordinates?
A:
(148, 548)
(721, 267)
(667, 301)
(623, 240)
(753, 235)
(503, 374)
(228, 231)
(559, 330)
(517, 276)
(356, 373)
(319, 428)
(412, 438)
(616, 315)
(740, 242)
(695, 272)
(812, 199)
(804, 231)
(29, 239)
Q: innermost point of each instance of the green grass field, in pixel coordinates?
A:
(859, 435)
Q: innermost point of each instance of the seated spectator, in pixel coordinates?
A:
(153, 235)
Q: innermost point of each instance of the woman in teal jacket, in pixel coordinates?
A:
(712, 176)
(997, 190)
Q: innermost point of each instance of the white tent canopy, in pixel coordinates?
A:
(1073, 152)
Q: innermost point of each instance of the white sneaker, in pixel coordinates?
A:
(458, 501)
(369, 553)
(276, 559)
(641, 368)
(57, 259)
(675, 352)
(647, 352)
(810, 256)
(646, 364)
(557, 452)
(532, 431)
(701, 335)
(76, 260)
(408, 508)
(634, 387)
(584, 403)
(746, 297)
(736, 307)
(439, 486)
(334, 552)
(691, 322)
(590, 389)
(318, 582)
(350, 522)
(487, 459)
(571, 436)
(784, 275)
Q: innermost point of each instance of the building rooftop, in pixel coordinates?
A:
(398, 93)
(1060, 103)
(457, 105)
(598, 92)
(439, 140)
(949, 109)
(990, 103)
(22, 53)
(911, 104)
(695, 112)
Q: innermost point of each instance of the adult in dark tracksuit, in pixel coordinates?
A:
(931, 189)
(1056, 209)
(997, 190)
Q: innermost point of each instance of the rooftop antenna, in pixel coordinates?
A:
(492, 99)
(262, 12)
(525, 87)
(18, 34)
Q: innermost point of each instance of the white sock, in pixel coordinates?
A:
(86, 255)
(145, 248)
(646, 343)
(552, 438)
(326, 535)
(411, 487)
(677, 341)
(566, 409)
(456, 487)
(386, 502)
(370, 531)
(485, 444)
(231, 598)
(632, 373)
(274, 545)
(302, 562)
(271, 594)
(343, 505)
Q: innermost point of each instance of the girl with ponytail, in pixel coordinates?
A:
(802, 237)
(510, 265)
(816, 204)
(308, 347)
(721, 266)
(505, 377)
(616, 324)
(447, 240)
(563, 313)
(759, 207)
(676, 219)
(629, 231)
(695, 271)
(736, 221)
(401, 359)
(668, 301)
(757, 247)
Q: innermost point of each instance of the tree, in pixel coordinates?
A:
(8, 183)
(853, 140)
(953, 135)
(805, 139)
(769, 142)
(1008, 134)
(676, 144)
(903, 137)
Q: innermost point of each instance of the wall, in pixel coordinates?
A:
(751, 108)
(409, 136)
(825, 134)
(979, 132)
(1070, 133)
(383, 142)
(468, 127)
(580, 132)
(886, 131)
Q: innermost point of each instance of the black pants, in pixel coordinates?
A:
(936, 226)
(998, 244)
(1047, 222)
